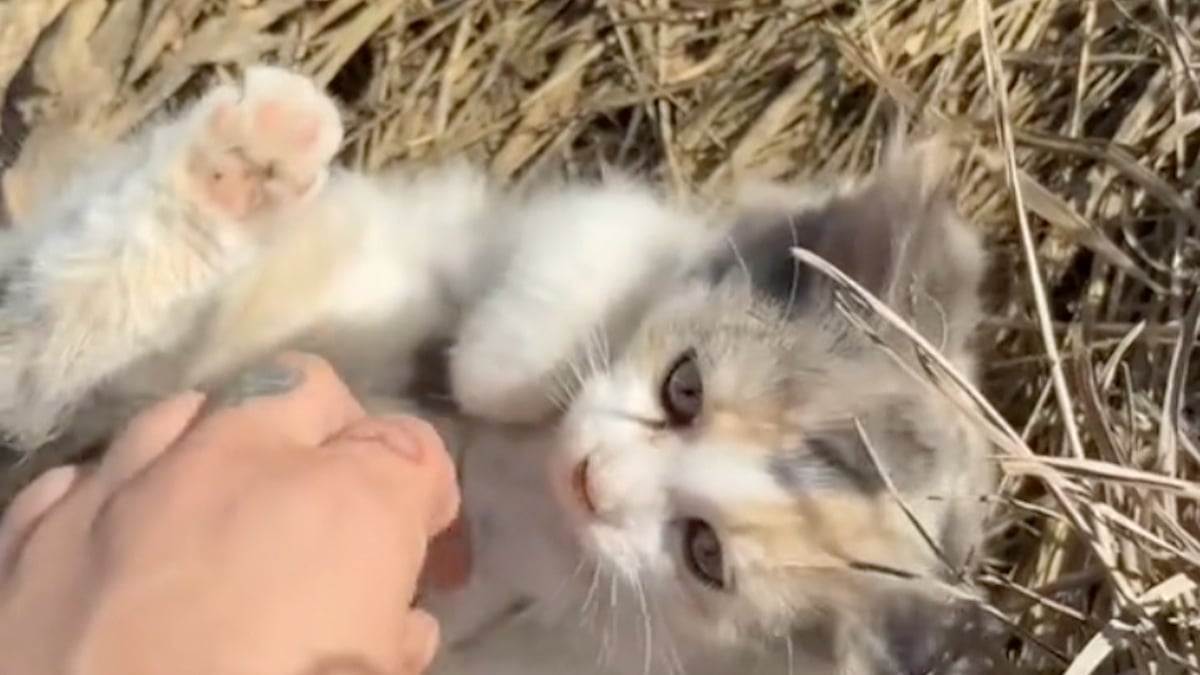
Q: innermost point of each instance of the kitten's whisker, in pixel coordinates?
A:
(604, 658)
(589, 618)
(632, 417)
(787, 639)
(573, 367)
(559, 392)
(676, 661)
(647, 629)
(919, 582)
(740, 259)
(794, 291)
(612, 614)
(566, 380)
(591, 352)
(584, 357)
(573, 380)
(566, 582)
(605, 350)
(592, 587)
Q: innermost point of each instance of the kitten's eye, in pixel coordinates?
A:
(683, 391)
(702, 553)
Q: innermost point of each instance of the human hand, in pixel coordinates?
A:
(279, 533)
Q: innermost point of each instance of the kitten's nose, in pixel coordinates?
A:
(596, 502)
(579, 486)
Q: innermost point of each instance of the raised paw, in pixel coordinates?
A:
(263, 145)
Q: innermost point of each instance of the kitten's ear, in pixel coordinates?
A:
(895, 232)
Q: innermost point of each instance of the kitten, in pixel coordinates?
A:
(223, 233)
(656, 411)
(119, 266)
(713, 506)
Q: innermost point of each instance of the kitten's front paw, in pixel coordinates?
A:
(263, 146)
(492, 379)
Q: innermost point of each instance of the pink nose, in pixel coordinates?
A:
(579, 486)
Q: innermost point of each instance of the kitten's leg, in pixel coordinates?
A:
(588, 259)
(122, 265)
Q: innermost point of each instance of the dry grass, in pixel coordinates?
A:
(1080, 123)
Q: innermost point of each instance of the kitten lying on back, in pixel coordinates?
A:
(219, 235)
(658, 415)
(716, 503)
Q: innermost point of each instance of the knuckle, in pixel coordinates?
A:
(378, 467)
(433, 447)
(116, 518)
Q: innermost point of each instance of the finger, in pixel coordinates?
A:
(28, 509)
(413, 460)
(343, 665)
(296, 399)
(420, 635)
(146, 437)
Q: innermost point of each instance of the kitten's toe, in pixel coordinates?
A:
(266, 145)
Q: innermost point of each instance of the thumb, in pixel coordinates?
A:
(424, 481)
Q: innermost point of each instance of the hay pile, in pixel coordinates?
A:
(1090, 107)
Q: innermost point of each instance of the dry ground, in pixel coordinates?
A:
(1079, 121)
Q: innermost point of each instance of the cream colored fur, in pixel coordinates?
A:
(224, 234)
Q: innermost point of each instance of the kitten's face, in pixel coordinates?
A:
(704, 465)
(717, 463)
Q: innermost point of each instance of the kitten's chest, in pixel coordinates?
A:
(516, 527)
(533, 605)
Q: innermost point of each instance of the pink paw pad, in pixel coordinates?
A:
(267, 145)
(299, 131)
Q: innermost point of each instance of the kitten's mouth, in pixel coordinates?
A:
(579, 486)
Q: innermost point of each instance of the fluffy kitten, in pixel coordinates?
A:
(658, 415)
(222, 234)
(716, 503)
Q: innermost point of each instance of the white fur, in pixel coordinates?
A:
(609, 595)
(392, 257)
(586, 615)
(362, 272)
(138, 283)
(583, 250)
(68, 322)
